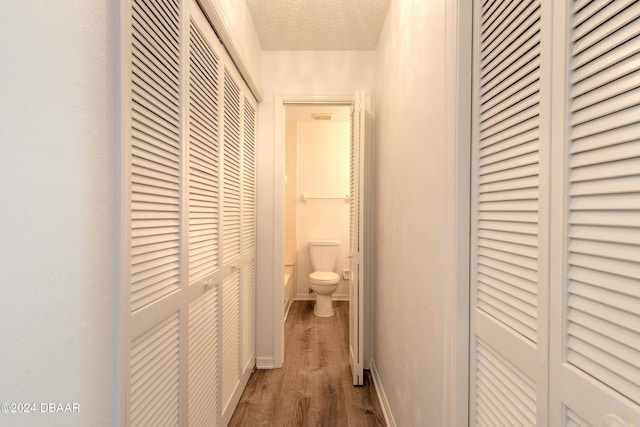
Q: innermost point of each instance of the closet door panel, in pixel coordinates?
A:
(152, 156)
(248, 235)
(508, 269)
(203, 363)
(248, 291)
(155, 375)
(230, 373)
(203, 377)
(231, 169)
(249, 179)
(596, 360)
(204, 158)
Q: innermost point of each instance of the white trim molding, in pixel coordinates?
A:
(312, 297)
(455, 360)
(264, 363)
(382, 397)
(279, 102)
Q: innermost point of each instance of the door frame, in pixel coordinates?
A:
(280, 100)
(457, 157)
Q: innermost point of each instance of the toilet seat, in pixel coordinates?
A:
(324, 278)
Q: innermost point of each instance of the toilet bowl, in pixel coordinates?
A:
(324, 284)
(324, 281)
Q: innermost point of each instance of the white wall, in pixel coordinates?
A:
(410, 223)
(58, 155)
(323, 170)
(291, 194)
(291, 73)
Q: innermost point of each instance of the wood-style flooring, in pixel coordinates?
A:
(314, 387)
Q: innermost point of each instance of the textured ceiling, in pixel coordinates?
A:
(318, 24)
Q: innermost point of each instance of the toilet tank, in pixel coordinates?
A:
(323, 254)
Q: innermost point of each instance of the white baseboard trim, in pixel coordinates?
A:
(312, 297)
(264, 362)
(382, 397)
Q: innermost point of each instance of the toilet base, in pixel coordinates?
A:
(324, 306)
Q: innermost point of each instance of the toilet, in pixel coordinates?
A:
(324, 281)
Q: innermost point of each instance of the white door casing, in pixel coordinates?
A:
(357, 233)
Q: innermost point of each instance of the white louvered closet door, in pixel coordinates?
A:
(238, 239)
(508, 332)
(595, 351)
(231, 242)
(183, 188)
(153, 340)
(204, 224)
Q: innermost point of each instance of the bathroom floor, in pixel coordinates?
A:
(314, 387)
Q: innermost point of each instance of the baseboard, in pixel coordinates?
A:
(382, 397)
(340, 297)
(264, 363)
(312, 297)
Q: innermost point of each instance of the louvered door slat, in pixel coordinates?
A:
(230, 337)
(493, 18)
(517, 114)
(610, 58)
(514, 43)
(574, 420)
(494, 189)
(622, 69)
(504, 393)
(232, 179)
(588, 29)
(203, 360)
(515, 282)
(155, 263)
(593, 108)
(621, 154)
(601, 34)
(249, 180)
(511, 292)
(248, 313)
(203, 158)
(153, 129)
(605, 234)
(502, 87)
(603, 274)
(164, 34)
(490, 7)
(155, 376)
(511, 383)
(499, 97)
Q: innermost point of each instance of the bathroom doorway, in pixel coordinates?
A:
(316, 193)
(318, 182)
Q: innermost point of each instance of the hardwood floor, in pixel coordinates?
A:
(314, 387)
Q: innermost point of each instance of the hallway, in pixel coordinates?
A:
(314, 386)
